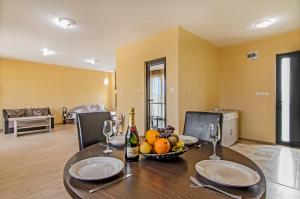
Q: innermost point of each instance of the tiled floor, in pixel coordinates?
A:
(280, 164)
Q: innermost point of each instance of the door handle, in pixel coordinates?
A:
(149, 101)
(279, 103)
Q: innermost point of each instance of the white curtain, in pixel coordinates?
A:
(157, 95)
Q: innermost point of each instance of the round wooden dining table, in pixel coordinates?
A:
(160, 180)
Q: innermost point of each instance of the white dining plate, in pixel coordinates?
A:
(188, 140)
(96, 168)
(117, 140)
(227, 173)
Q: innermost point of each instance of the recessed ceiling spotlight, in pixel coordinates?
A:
(64, 22)
(264, 23)
(91, 61)
(47, 52)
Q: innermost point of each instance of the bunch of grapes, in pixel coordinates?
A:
(166, 132)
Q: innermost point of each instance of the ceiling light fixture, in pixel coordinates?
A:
(264, 23)
(64, 22)
(91, 61)
(47, 52)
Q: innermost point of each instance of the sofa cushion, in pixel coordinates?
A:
(93, 108)
(16, 112)
(101, 107)
(81, 109)
(40, 111)
(88, 108)
(96, 108)
(28, 112)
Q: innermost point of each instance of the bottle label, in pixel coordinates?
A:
(133, 139)
(132, 152)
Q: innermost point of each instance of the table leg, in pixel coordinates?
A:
(15, 128)
(49, 125)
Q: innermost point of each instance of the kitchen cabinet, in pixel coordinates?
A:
(229, 132)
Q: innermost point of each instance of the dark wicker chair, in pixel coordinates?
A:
(90, 128)
(197, 124)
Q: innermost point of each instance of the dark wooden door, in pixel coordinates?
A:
(288, 98)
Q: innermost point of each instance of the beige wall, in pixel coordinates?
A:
(240, 78)
(131, 75)
(112, 92)
(198, 72)
(27, 84)
(192, 63)
(216, 77)
(1, 123)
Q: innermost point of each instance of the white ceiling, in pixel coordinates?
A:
(26, 26)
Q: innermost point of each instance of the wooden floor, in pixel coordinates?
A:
(31, 166)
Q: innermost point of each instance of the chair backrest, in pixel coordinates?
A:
(90, 128)
(197, 124)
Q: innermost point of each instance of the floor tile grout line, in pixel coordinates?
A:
(276, 152)
(297, 174)
(272, 158)
(283, 185)
(293, 187)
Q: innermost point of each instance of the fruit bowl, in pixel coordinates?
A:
(166, 156)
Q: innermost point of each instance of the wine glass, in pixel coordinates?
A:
(107, 131)
(214, 136)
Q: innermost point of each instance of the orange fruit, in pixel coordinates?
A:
(151, 136)
(162, 146)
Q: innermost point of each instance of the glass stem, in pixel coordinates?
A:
(107, 143)
(214, 145)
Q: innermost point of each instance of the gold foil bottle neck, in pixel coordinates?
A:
(131, 117)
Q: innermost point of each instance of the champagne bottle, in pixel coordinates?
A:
(132, 139)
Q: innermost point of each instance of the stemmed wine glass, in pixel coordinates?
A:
(107, 131)
(214, 135)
